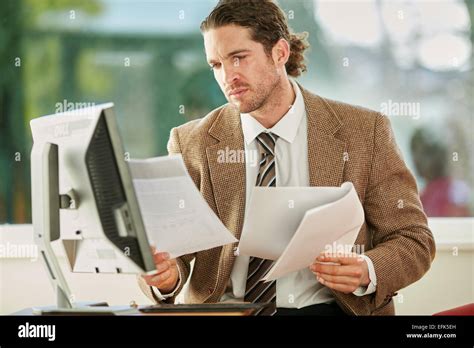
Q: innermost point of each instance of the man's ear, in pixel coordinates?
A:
(281, 52)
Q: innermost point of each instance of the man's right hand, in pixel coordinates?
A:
(167, 275)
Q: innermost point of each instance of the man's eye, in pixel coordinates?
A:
(237, 60)
(214, 66)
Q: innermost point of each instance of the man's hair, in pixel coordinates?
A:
(267, 24)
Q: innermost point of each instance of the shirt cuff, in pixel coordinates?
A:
(369, 289)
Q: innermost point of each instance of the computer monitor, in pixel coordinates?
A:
(83, 196)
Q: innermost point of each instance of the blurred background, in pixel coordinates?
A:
(411, 60)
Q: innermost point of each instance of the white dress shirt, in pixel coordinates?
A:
(298, 289)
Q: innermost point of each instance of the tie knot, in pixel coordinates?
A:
(266, 143)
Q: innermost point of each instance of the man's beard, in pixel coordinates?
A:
(261, 96)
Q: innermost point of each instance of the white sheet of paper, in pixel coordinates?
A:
(293, 225)
(177, 218)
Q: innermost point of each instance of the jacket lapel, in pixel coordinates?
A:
(227, 168)
(326, 153)
(227, 173)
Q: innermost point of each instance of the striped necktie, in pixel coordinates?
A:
(256, 290)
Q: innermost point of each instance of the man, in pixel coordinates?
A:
(302, 140)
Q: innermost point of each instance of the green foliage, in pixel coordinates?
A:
(35, 8)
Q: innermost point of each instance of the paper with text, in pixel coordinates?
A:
(177, 219)
(293, 225)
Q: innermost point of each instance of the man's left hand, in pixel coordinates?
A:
(348, 274)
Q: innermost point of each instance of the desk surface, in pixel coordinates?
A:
(167, 310)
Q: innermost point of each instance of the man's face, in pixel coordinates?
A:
(244, 72)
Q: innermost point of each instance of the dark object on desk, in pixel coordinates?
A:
(205, 309)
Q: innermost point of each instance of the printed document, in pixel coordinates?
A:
(177, 218)
(293, 225)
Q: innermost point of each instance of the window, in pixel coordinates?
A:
(410, 60)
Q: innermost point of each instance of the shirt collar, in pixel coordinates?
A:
(286, 128)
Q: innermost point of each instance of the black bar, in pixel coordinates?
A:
(291, 331)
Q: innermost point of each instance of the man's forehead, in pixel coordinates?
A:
(222, 41)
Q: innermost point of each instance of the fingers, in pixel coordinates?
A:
(342, 280)
(156, 279)
(165, 265)
(345, 273)
(163, 262)
(166, 274)
(160, 257)
(344, 288)
(337, 270)
(165, 268)
(162, 277)
(162, 267)
(341, 259)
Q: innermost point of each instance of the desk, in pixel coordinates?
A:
(246, 309)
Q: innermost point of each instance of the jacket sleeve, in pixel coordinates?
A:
(403, 245)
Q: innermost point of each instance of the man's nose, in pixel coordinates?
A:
(230, 74)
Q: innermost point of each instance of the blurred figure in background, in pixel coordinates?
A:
(442, 195)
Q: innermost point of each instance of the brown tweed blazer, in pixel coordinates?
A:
(395, 234)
